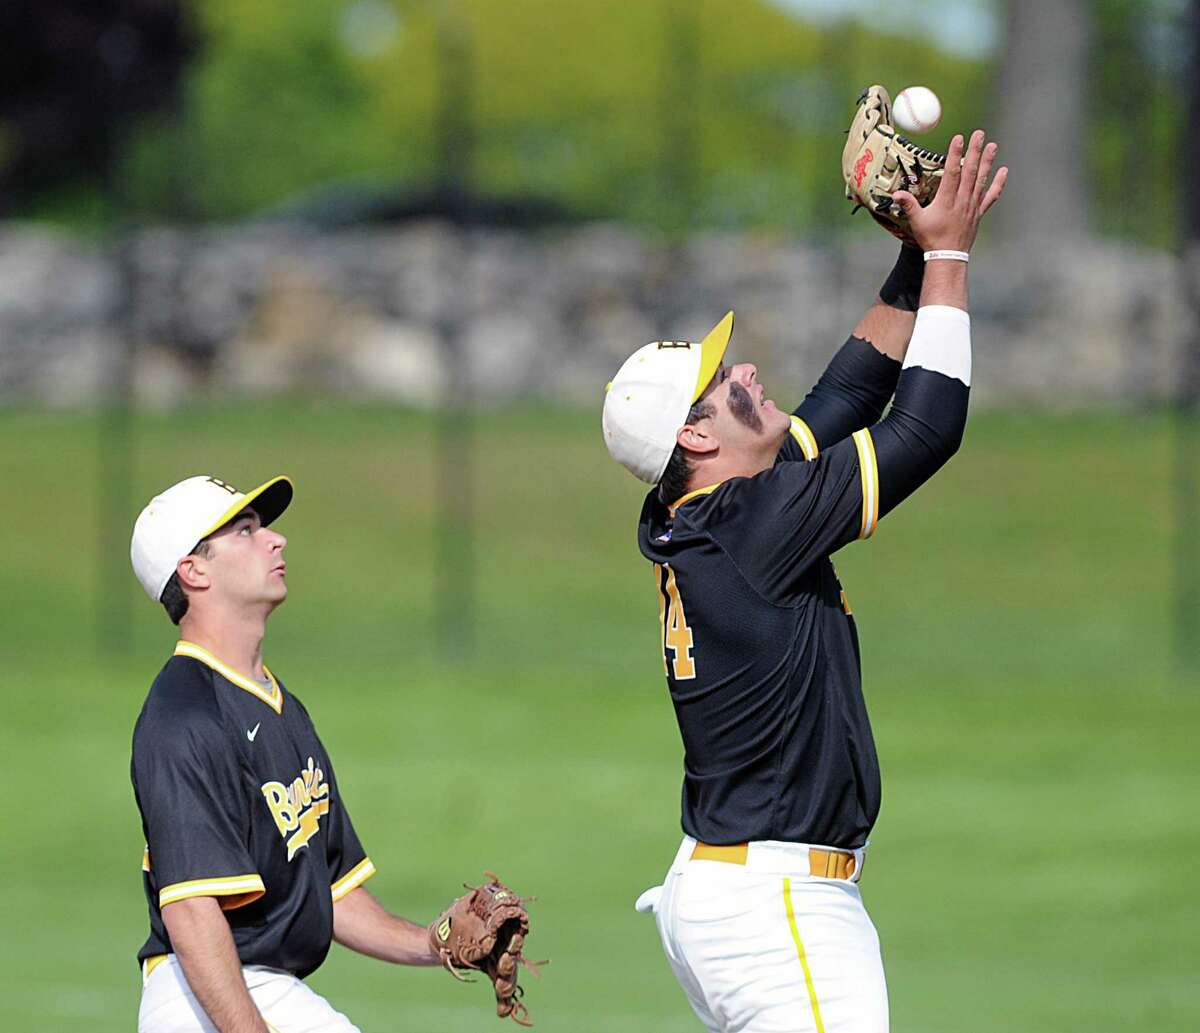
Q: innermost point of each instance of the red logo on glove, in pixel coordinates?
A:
(860, 166)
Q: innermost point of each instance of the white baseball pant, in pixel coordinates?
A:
(766, 947)
(286, 1003)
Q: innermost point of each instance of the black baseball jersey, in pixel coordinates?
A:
(239, 802)
(761, 651)
(759, 643)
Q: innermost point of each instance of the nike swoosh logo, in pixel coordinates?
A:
(251, 734)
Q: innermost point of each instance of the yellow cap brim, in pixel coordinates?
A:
(268, 500)
(712, 351)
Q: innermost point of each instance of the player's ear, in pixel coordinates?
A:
(697, 437)
(193, 572)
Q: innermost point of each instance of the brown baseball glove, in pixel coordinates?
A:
(485, 930)
(877, 161)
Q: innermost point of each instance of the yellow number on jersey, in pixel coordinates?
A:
(677, 636)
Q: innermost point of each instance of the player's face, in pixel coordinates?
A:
(247, 562)
(746, 419)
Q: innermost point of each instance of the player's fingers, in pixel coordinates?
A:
(995, 190)
(953, 171)
(970, 168)
(906, 201)
(985, 170)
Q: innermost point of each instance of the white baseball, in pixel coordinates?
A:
(916, 109)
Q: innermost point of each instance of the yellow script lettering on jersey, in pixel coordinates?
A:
(297, 808)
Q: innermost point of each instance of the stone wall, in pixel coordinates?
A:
(257, 309)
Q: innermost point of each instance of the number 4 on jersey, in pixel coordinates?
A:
(677, 636)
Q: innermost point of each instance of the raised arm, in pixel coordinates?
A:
(925, 425)
(803, 512)
(861, 378)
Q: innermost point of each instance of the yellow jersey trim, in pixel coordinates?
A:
(242, 889)
(146, 858)
(708, 489)
(273, 699)
(354, 878)
(804, 438)
(868, 469)
(808, 979)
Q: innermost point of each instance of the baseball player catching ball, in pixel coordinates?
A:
(252, 864)
(760, 915)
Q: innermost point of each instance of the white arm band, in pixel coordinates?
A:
(941, 341)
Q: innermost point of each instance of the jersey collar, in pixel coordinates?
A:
(706, 490)
(273, 698)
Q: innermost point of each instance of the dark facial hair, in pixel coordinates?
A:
(743, 408)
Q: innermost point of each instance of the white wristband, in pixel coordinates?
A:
(957, 256)
(941, 342)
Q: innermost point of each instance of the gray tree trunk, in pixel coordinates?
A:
(1040, 126)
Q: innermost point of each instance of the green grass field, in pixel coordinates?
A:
(1031, 867)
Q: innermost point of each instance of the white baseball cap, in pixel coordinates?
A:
(175, 522)
(649, 398)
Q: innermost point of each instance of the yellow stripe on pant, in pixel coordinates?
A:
(808, 980)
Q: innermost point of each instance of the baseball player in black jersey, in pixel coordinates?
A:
(252, 864)
(760, 914)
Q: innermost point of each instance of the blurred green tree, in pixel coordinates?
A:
(573, 102)
(586, 104)
(1135, 117)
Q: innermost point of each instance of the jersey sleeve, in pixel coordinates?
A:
(195, 812)
(349, 865)
(920, 434)
(795, 513)
(776, 525)
(801, 443)
(852, 393)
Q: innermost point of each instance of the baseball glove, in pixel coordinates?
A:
(877, 161)
(485, 930)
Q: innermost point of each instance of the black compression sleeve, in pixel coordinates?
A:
(922, 431)
(852, 392)
(902, 288)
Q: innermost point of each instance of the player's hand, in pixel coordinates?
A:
(951, 220)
